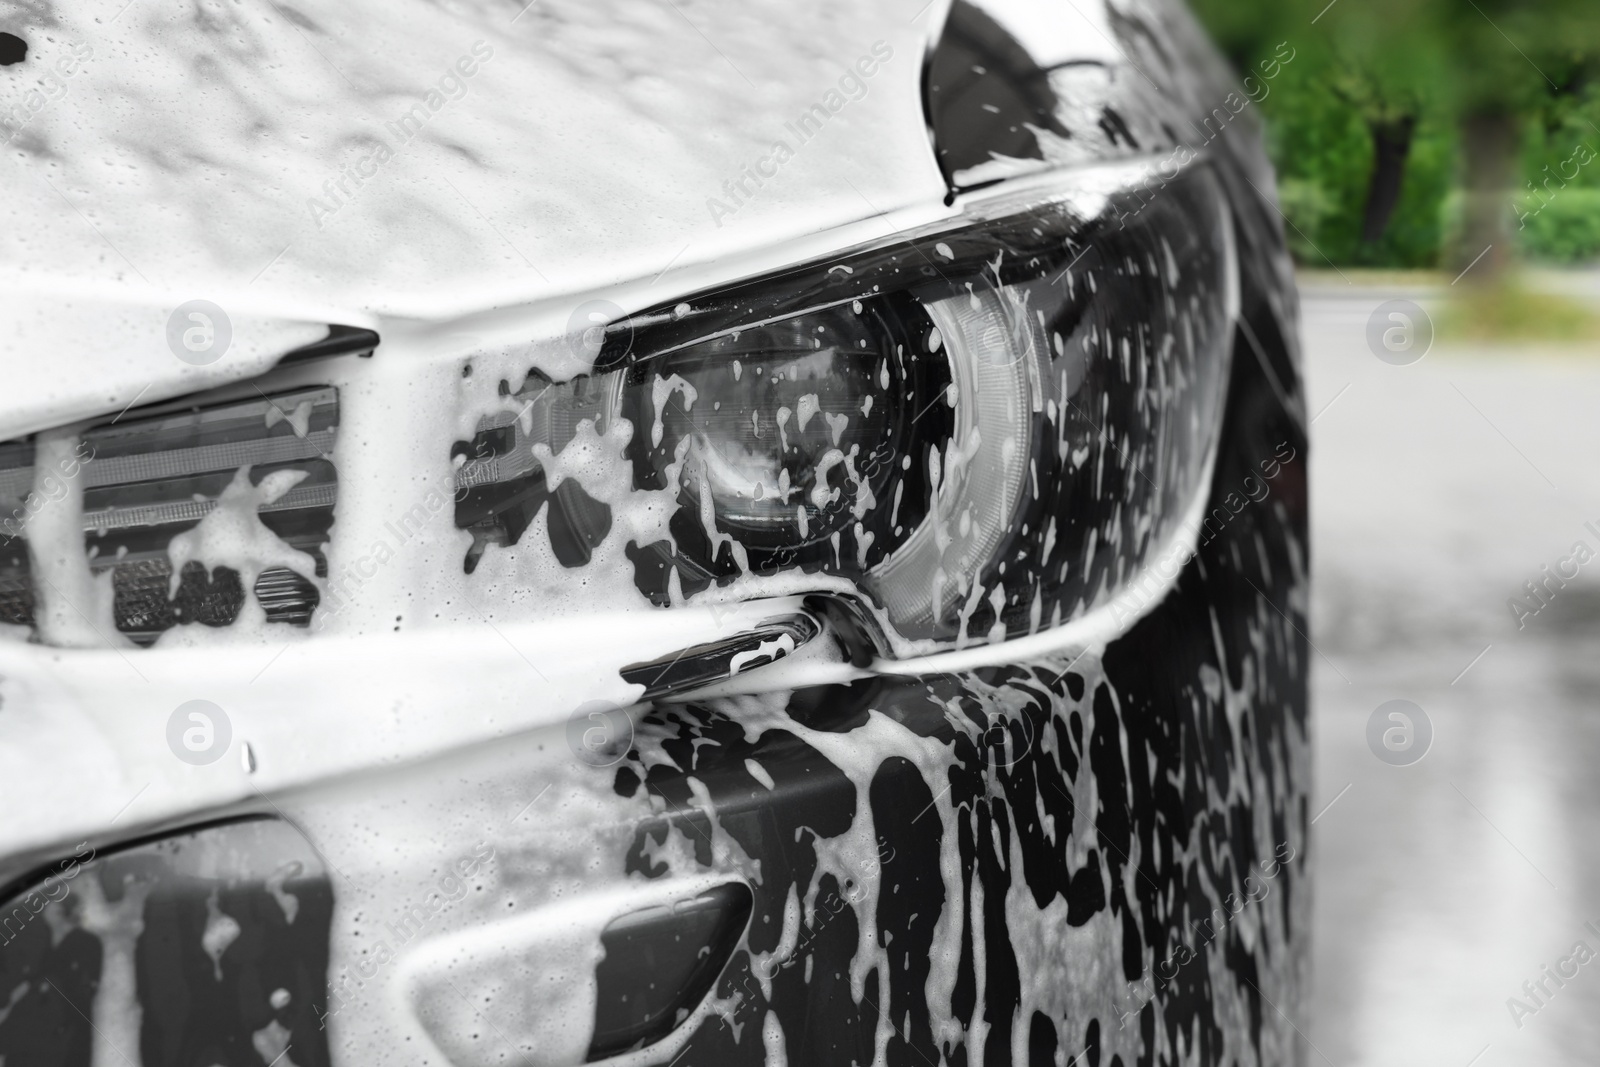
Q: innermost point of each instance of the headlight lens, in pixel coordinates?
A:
(789, 436)
(987, 428)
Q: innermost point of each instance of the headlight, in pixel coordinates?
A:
(985, 428)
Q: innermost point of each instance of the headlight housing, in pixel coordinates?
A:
(982, 429)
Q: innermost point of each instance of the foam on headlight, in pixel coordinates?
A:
(977, 430)
(981, 470)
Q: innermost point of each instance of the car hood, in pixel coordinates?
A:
(413, 166)
(415, 158)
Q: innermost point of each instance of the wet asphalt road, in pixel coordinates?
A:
(1438, 490)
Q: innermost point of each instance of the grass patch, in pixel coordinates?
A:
(1371, 278)
(1511, 312)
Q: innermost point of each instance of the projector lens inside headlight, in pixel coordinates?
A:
(793, 438)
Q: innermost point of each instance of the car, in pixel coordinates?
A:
(648, 533)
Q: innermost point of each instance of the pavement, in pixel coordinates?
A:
(1445, 883)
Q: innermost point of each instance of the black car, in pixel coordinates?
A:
(648, 531)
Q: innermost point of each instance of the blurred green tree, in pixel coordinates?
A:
(1507, 58)
(1487, 69)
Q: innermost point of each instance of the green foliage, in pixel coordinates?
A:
(1567, 230)
(1437, 61)
(1305, 205)
(1563, 145)
(1559, 204)
(1323, 152)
